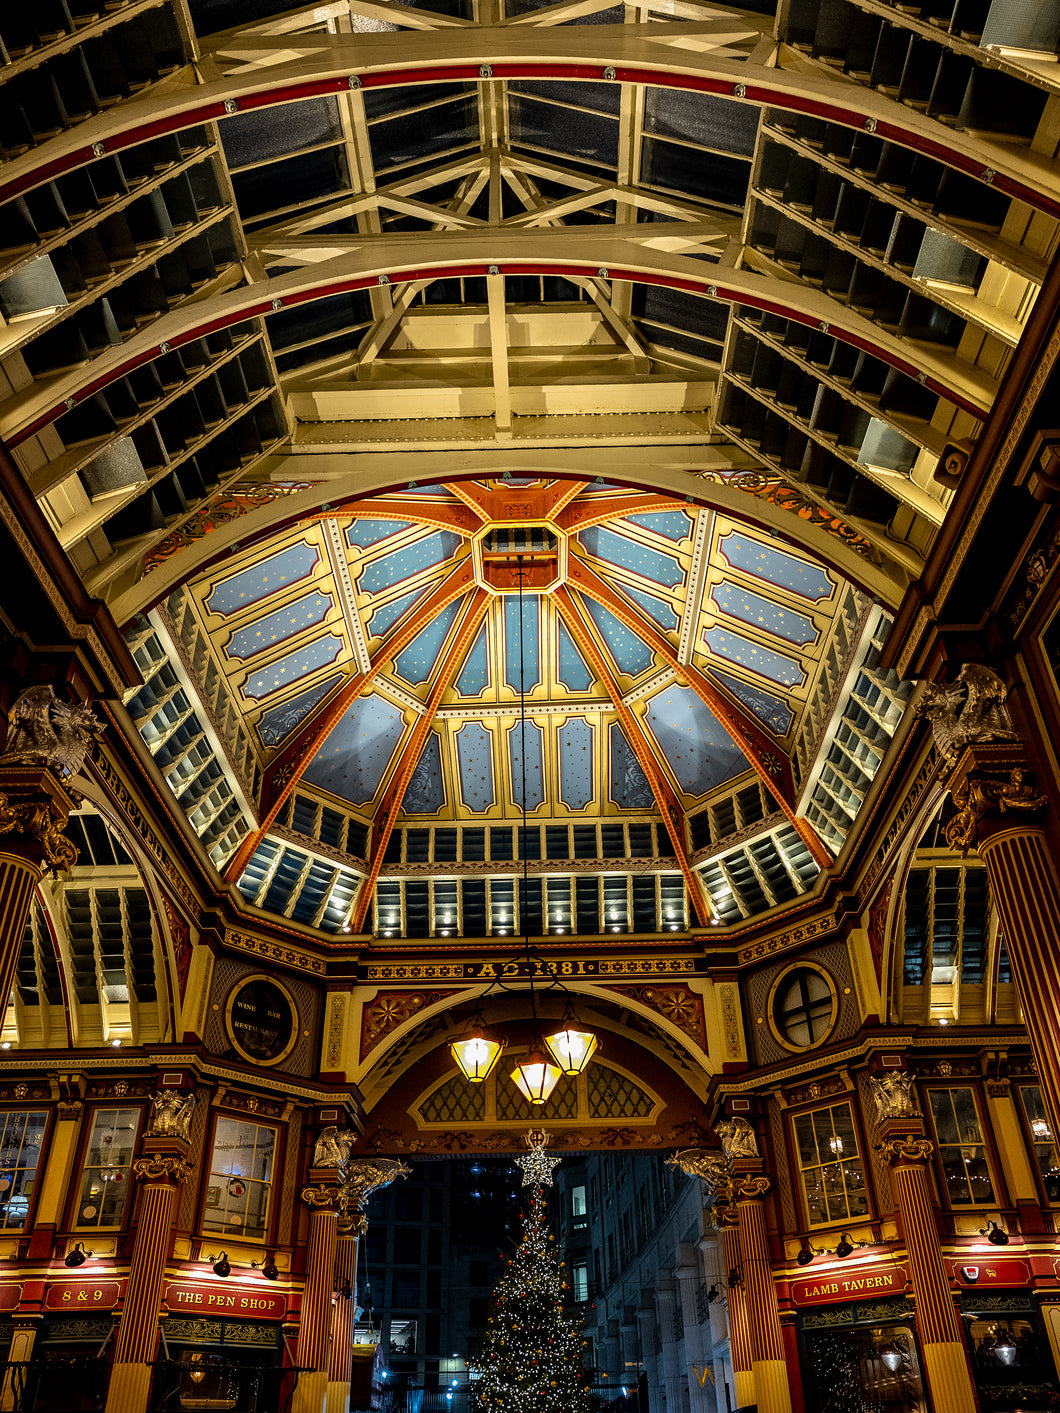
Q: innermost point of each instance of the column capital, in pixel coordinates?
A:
(906, 1148)
(162, 1167)
(749, 1186)
(989, 784)
(34, 809)
(322, 1196)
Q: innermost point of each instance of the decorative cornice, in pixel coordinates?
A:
(905, 1149)
(275, 952)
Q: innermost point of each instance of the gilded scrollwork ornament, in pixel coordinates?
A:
(38, 818)
(162, 1167)
(750, 1185)
(906, 1149)
(321, 1195)
(979, 795)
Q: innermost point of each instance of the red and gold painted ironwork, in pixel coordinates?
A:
(390, 803)
(391, 1009)
(665, 797)
(288, 767)
(502, 504)
(768, 762)
(680, 1005)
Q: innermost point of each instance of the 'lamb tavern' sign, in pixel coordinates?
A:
(870, 1283)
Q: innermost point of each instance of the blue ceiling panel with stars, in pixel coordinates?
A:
(425, 793)
(279, 721)
(363, 533)
(760, 612)
(642, 559)
(475, 675)
(416, 663)
(534, 781)
(657, 609)
(630, 787)
(577, 772)
(280, 625)
(770, 710)
(268, 576)
(387, 614)
(673, 525)
(321, 652)
(402, 564)
(573, 672)
(631, 654)
(352, 761)
(776, 566)
(521, 651)
(474, 752)
(699, 750)
(734, 647)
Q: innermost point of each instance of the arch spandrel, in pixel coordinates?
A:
(671, 1018)
(651, 1107)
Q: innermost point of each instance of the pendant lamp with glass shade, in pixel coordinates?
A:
(571, 1047)
(536, 1076)
(476, 1051)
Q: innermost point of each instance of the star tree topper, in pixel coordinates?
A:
(536, 1164)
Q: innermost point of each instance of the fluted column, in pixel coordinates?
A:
(945, 1361)
(162, 1170)
(340, 1359)
(34, 808)
(763, 1312)
(998, 812)
(739, 1326)
(314, 1331)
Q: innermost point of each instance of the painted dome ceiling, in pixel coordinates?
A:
(675, 666)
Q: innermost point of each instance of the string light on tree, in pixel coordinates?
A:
(531, 1356)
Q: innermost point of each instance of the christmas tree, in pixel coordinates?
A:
(530, 1360)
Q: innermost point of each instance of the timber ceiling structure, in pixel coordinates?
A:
(377, 361)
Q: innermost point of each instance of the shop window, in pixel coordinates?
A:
(105, 1178)
(833, 1179)
(240, 1180)
(1010, 1358)
(21, 1137)
(961, 1149)
(871, 1367)
(1042, 1140)
(802, 1007)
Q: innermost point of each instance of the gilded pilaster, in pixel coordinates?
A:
(945, 1361)
(739, 1329)
(340, 1359)
(763, 1312)
(161, 1170)
(322, 1196)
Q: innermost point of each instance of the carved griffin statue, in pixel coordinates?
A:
(708, 1165)
(893, 1093)
(368, 1175)
(968, 711)
(737, 1138)
(332, 1148)
(42, 729)
(172, 1113)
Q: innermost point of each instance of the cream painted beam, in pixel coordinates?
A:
(651, 53)
(637, 467)
(502, 393)
(577, 252)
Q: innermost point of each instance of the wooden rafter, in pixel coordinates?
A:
(769, 763)
(283, 773)
(390, 803)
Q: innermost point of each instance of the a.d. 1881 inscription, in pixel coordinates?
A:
(262, 1020)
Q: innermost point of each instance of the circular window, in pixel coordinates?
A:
(802, 1007)
(261, 1020)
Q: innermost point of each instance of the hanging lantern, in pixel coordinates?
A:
(536, 1077)
(571, 1047)
(476, 1051)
